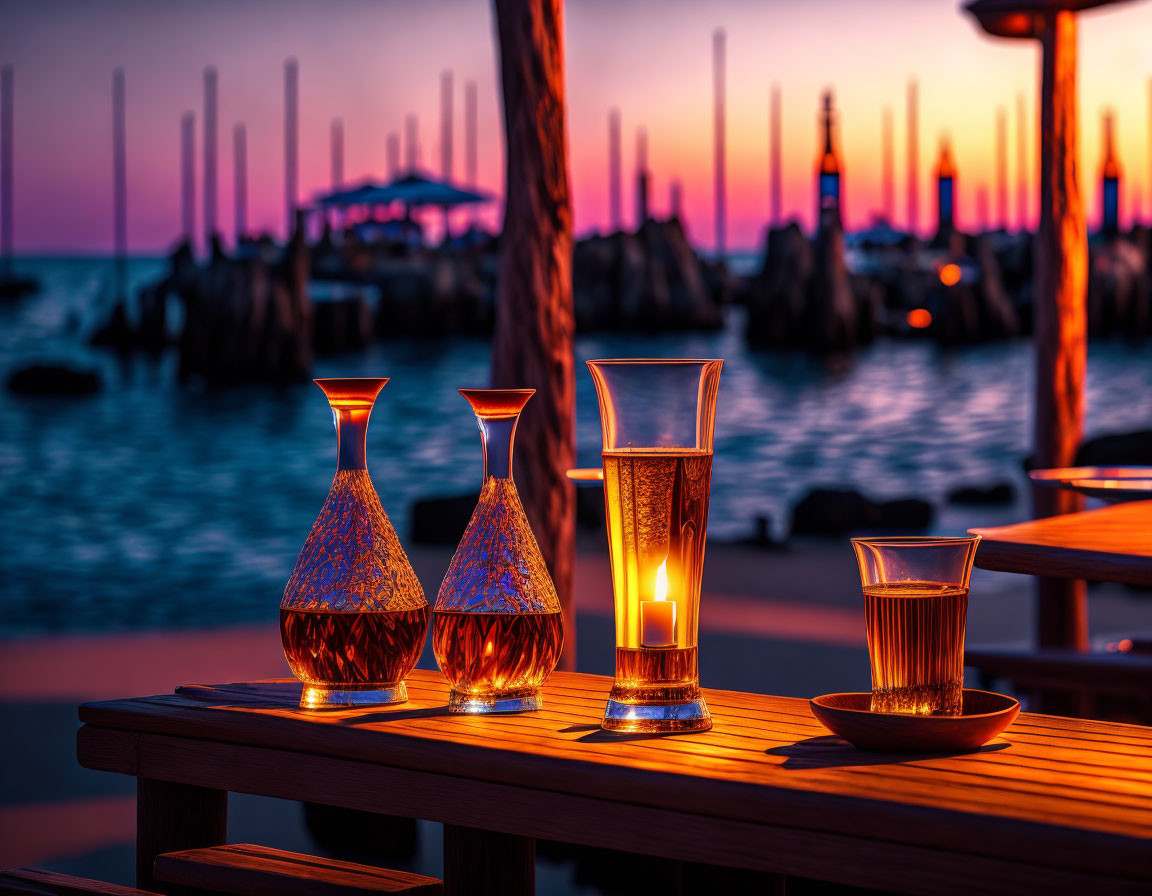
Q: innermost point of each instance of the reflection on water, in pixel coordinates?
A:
(152, 505)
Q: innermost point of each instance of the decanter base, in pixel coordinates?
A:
(351, 698)
(477, 704)
(664, 718)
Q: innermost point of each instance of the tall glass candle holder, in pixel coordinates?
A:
(658, 418)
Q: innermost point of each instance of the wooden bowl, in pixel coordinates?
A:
(985, 715)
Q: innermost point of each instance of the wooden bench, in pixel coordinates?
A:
(243, 869)
(31, 882)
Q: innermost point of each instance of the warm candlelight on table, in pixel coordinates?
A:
(658, 616)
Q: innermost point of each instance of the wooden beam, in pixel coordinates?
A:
(532, 345)
(172, 817)
(1061, 282)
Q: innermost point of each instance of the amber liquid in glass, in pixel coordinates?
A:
(657, 510)
(353, 651)
(496, 655)
(916, 645)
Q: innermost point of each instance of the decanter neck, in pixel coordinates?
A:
(498, 435)
(497, 413)
(351, 400)
(351, 437)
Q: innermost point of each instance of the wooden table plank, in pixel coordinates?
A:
(1052, 791)
(1113, 544)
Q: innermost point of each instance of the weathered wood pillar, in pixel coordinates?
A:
(532, 345)
(171, 817)
(1061, 283)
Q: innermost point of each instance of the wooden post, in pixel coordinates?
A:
(775, 161)
(7, 119)
(1060, 325)
(615, 214)
(291, 144)
(1021, 165)
(719, 133)
(240, 180)
(119, 184)
(532, 345)
(1002, 169)
(171, 817)
(484, 863)
(913, 160)
(888, 168)
(209, 155)
(188, 177)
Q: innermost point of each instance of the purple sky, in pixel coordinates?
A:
(371, 62)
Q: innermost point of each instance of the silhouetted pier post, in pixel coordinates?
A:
(676, 200)
(982, 223)
(210, 145)
(336, 148)
(641, 177)
(446, 141)
(719, 40)
(291, 143)
(1021, 164)
(1109, 178)
(471, 170)
(1060, 283)
(411, 143)
(615, 211)
(532, 345)
(945, 193)
(1002, 168)
(393, 155)
(913, 161)
(7, 118)
(188, 177)
(119, 185)
(240, 180)
(775, 161)
(888, 169)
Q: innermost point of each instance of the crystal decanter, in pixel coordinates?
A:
(497, 628)
(354, 618)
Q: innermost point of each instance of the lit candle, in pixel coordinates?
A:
(658, 616)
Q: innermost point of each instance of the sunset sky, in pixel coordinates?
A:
(371, 62)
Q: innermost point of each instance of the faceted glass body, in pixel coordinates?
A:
(354, 618)
(658, 418)
(916, 606)
(497, 629)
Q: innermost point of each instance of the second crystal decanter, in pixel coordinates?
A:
(354, 618)
(497, 628)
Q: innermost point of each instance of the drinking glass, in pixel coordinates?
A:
(916, 604)
(657, 418)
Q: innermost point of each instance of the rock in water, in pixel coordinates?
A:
(53, 379)
(1000, 493)
(836, 511)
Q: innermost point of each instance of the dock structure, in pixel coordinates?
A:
(7, 79)
(119, 184)
(775, 161)
(1021, 164)
(471, 166)
(188, 177)
(240, 180)
(719, 42)
(336, 148)
(1002, 168)
(913, 161)
(446, 126)
(291, 144)
(411, 143)
(615, 211)
(641, 177)
(887, 168)
(392, 149)
(210, 146)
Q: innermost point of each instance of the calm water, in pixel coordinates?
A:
(153, 504)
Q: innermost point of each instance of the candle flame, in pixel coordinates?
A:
(660, 592)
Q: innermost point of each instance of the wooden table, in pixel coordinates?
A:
(1056, 806)
(1113, 544)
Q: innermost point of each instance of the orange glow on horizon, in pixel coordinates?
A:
(919, 318)
(950, 275)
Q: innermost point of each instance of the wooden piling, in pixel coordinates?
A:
(471, 175)
(1021, 165)
(7, 78)
(1059, 317)
(888, 169)
(291, 143)
(336, 151)
(1002, 168)
(641, 177)
(240, 180)
(119, 186)
(719, 41)
(532, 345)
(775, 161)
(615, 213)
(913, 113)
(188, 177)
(210, 146)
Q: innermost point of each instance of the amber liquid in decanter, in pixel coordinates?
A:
(501, 655)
